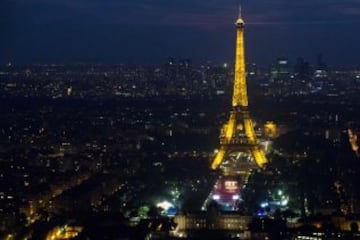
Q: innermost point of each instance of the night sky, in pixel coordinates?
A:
(150, 31)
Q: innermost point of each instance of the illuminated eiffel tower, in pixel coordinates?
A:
(239, 151)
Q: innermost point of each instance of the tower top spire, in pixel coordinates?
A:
(240, 21)
(240, 12)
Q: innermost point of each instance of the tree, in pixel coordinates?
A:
(354, 227)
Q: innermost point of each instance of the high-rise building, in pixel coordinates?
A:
(280, 70)
(302, 69)
(321, 69)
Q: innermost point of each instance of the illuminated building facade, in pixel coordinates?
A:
(239, 148)
(231, 224)
(353, 139)
(226, 192)
(64, 232)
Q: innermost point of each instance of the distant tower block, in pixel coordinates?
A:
(239, 151)
(69, 91)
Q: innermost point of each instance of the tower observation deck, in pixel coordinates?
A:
(239, 150)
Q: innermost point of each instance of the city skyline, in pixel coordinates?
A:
(64, 31)
(133, 151)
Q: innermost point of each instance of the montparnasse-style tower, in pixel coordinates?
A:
(239, 148)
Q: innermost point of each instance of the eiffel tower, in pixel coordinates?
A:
(239, 151)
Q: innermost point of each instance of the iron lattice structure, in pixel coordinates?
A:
(239, 148)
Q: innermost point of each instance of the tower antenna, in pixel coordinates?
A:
(240, 11)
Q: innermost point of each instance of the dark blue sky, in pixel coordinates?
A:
(148, 31)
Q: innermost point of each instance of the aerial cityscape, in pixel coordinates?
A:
(173, 134)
